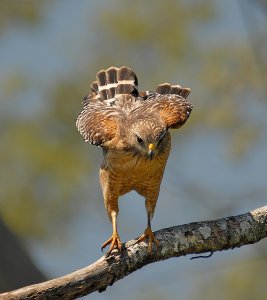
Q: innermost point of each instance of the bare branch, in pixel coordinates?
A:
(193, 238)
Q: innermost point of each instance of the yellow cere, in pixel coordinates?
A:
(151, 147)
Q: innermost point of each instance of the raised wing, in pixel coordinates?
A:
(98, 123)
(173, 110)
(102, 111)
(169, 103)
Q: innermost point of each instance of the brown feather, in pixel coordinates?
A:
(163, 88)
(111, 78)
(127, 82)
(96, 127)
(185, 92)
(176, 89)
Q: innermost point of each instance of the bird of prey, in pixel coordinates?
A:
(132, 128)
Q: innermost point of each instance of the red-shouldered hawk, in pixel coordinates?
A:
(133, 130)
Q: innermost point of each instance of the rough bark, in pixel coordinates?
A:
(193, 238)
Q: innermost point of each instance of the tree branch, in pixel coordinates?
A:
(193, 238)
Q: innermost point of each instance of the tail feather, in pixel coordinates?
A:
(176, 89)
(102, 82)
(185, 92)
(127, 82)
(111, 78)
(166, 88)
(163, 88)
(93, 95)
(94, 87)
(114, 81)
(122, 81)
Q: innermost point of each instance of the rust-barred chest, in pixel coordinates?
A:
(125, 171)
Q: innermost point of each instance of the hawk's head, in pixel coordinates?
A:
(147, 137)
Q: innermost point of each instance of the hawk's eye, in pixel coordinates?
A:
(139, 140)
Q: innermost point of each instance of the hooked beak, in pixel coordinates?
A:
(151, 148)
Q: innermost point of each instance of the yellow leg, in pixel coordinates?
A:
(114, 240)
(148, 234)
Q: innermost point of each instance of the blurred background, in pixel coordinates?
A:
(51, 209)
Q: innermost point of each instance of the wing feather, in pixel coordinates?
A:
(98, 123)
(172, 109)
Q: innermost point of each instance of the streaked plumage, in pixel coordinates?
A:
(132, 128)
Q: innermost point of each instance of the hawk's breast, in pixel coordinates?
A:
(125, 171)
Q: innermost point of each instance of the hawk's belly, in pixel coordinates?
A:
(124, 173)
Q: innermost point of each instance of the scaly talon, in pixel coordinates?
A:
(115, 242)
(148, 234)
